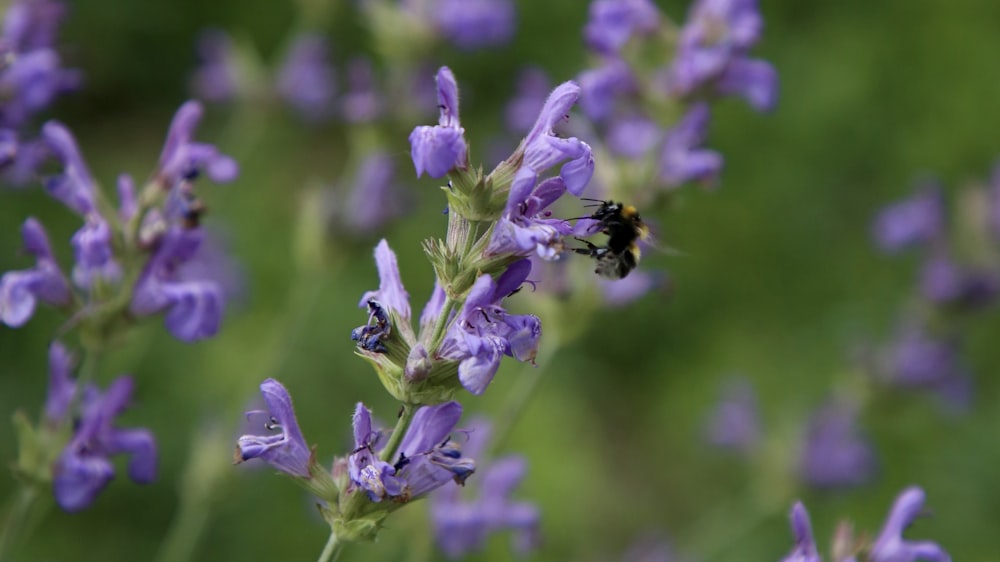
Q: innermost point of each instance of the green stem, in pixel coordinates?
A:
(402, 424)
(437, 336)
(185, 529)
(332, 549)
(16, 526)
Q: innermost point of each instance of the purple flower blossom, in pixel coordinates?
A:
(834, 455)
(890, 546)
(464, 518)
(805, 545)
(84, 468)
(370, 336)
(427, 458)
(522, 110)
(390, 289)
(600, 87)
(735, 422)
(75, 186)
(217, 77)
(436, 150)
(184, 159)
(622, 292)
(713, 47)
(473, 24)
(20, 290)
(8, 147)
(527, 227)
(633, 137)
(62, 387)
(918, 219)
(32, 24)
(287, 451)
(362, 102)
(194, 308)
(919, 359)
(306, 79)
(541, 149)
(374, 197)
(942, 281)
(682, 160)
(94, 256)
(613, 22)
(483, 331)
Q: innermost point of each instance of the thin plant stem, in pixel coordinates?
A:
(402, 425)
(331, 552)
(19, 521)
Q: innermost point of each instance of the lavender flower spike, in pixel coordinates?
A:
(835, 455)
(918, 219)
(306, 79)
(541, 149)
(286, 451)
(20, 290)
(805, 546)
(183, 159)
(84, 468)
(437, 150)
(612, 23)
(890, 545)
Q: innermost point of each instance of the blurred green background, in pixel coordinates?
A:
(778, 282)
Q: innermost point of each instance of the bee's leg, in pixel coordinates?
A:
(591, 250)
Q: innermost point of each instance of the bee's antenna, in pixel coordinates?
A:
(591, 199)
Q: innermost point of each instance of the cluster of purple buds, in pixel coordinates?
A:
(408, 26)
(889, 546)
(77, 437)
(31, 77)
(132, 261)
(709, 58)
(926, 350)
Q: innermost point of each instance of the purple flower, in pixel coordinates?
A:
(527, 227)
(754, 80)
(943, 281)
(465, 518)
(20, 290)
(75, 186)
(427, 458)
(217, 77)
(8, 148)
(31, 81)
(918, 219)
(94, 256)
(541, 149)
(390, 289)
(374, 197)
(919, 359)
(682, 160)
(62, 387)
(32, 24)
(805, 545)
(612, 23)
(834, 455)
(287, 450)
(717, 36)
(735, 422)
(890, 546)
(473, 24)
(633, 137)
(362, 102)
(600, 87)
(306, 79)
(84, 468)
(483, 331)
(370, 336)
(184, 159)
(194, 308)
(522, 110)
(436, 150)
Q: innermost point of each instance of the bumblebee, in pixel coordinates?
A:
(625, 229)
